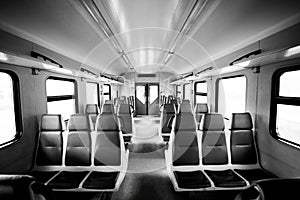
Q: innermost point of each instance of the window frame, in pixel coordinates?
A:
(217, 90)
(183, 88)
(98, 91)
(62, 97)
(17, 108)
(107, 93)
(200, 93)
(276, 100)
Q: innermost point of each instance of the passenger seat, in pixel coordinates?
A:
(167, 115)
(125, 117)
(214, 152)
(243, 149)
(199, 110)
(92, 110)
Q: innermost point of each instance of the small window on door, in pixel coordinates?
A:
(92, 93)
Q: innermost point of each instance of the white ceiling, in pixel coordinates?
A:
(144, 26)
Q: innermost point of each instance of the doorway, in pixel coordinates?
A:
(147, 98)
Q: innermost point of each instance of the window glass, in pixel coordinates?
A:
(288, 81)
(62, 101)
(285, 106)
(178, 91)
(106, 92)
(201, 87)
(8, 128)
(201, 92)
(59, 87)
(232, 95)
(92, 93)
(187, 91)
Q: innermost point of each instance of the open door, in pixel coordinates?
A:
(147, 98)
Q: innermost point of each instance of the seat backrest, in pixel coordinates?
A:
(214, 149)
(185, 108)
(108, 145)
(78, 152)
(199, 110)
(241, 139)
(107, 109)
(185, 101)
(185, 146)
(92, 109)
(50, 141)
(124, 114)
(167, 113)
(108, 102)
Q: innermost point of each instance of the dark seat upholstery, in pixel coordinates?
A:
(225, 178)
(50, 141)
(192, 180)
(185, 146)
(43, 176)
(107, 149)
(242, 146)
(107, 109)
(23, 187)
(214, 150)
(199, 110)
(241, 139)
(124, 114)
(67, 180)
(167, 113)
(101, 180)
(78, 152)
(92, 110)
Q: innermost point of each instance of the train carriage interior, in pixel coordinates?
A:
(149, 99)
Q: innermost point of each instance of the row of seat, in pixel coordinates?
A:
(123, 112)
(169, 111)
(211, 158)
(80, 159)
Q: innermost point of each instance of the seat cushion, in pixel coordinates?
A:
(67, 180)
(101, 180)
(191, 180)
(253, 175)
(226, 178)
(43, 176)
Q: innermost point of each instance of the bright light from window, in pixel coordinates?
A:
(232, 96)
(3, 56)
(7, 109)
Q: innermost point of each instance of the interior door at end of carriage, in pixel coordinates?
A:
(141, 99)
(153, 99)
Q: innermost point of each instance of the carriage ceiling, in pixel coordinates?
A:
(119, 36)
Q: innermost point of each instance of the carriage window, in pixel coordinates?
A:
(201, 92)
(285, 107)
(178, 91)
(106, 92)
(92, 93)
(187, 91)
(231, 95)
(9, 129)
(61, 97)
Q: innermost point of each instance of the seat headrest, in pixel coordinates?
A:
(185, 101)
(185, 108)
(212, 122)
(107, 109)
(79, 122)
(108, 102)
(169, 108)
(51, 122)
(201, 108)
(174, 101)
(241, 121)
(120, 101)
(107, 123)
(185, 122)
(92, 109)
(124, 109)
